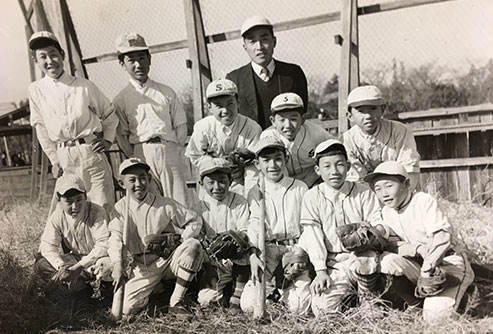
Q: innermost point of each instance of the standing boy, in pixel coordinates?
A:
(153, 124)
(283, 197)
(160, 235)
(299, 136)
(264, 78)
(331, 204)
(75, 123)
(425, 232)
(224, 133)
(373, 139)
(79, 228)
(224, 211)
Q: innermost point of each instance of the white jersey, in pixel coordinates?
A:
(220, 216)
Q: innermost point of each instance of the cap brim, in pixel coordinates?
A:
(222, 94)
(376, 102)
(281, 147)
(372, 176)
(341, 147)
(226, 170)
(123, 50)
(32, 43)
(146, 166)
(65, 190)
(254, 26)
(287, 107)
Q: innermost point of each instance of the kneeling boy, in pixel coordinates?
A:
(223, 211)
(80, 228)
(160, 235)
(416, 218)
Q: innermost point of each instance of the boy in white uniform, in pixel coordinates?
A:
(160, 235)
(225, 131)
(75, 123)
(283, 196)
(222, 211)
(424, 231)
(299, 136)
(79, 228)
(334, 203)
(153, 124)
(373, 139)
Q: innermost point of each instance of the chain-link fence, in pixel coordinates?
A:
(412, 53)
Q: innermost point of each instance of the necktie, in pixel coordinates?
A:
(264, 74)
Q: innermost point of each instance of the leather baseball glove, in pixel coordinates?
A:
(228, 245)
(359, 238)
(294, 263)
(162, 244)
(241, 157)
(430, 286)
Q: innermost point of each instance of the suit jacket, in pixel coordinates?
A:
(292, 80)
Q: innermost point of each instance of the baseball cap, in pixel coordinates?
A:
(130, 163)
(130, 42)
(221, 87)
(387, 168)
(210, 166)
(67, 182)
(42, 35)
(365, 96)
(330, 143)
(286, 101)
(255, 21)
(269, 141)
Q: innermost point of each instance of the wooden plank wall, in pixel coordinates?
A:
(15, 182)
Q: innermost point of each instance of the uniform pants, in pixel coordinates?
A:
(296, 295)
(94, 170)
(166, 161)
(224, 270)
(145, 278)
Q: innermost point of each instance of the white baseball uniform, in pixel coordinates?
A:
(153, 127)
(301, 163)
(68, 114)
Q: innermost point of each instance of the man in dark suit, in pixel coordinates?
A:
(264, 78)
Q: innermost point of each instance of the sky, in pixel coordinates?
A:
(454, 34)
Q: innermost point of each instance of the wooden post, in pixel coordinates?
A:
(7, 152)
(349, 70)
(199, 57)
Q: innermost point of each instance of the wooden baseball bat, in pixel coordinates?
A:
(259, 310)
(117, 305)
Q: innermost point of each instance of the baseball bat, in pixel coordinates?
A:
(259, 310)
(117, 305)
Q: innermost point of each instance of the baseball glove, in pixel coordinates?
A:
(430, 286)
(228, 245)
(241, 157)
(359, 238)
(295, 263)
(162, 244)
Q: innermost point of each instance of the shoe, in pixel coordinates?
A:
(181, 308)
(235, 309)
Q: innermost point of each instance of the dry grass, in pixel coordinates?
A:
(22, 310)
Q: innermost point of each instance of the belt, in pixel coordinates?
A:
(285, 242)
(70, 143)
(154, 140)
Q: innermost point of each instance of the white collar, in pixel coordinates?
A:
(257, 68)
(138, 85)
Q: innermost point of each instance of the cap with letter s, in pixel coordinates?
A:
(252, 22)
(221, 87)
(286, 101)
(365, 96)
(130, 42)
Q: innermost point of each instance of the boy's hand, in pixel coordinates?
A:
(56, 170)
(62, 274)
(320, 283)
(119, 276)
(100, 145)
(256, 266)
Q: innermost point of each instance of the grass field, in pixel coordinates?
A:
(23, 310)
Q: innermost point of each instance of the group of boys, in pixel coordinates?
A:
(314, 185)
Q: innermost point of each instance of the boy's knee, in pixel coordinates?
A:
(248, 297)
(397, 265)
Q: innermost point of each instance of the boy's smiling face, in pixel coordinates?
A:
(137, 64)
(216, 185)
(74, 203)
(367, 117)
(271, 162)
(136, 181)
(288, 123)
(333, 170)
(224, 109)
(50, 61)
(391, 190)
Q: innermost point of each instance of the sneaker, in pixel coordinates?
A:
(181, 308)
(235, 309)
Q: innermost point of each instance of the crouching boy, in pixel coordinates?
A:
(225, 223)
(283, 196)
(425, 233)
(334, 203)
(159, 234)
(79, 228)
